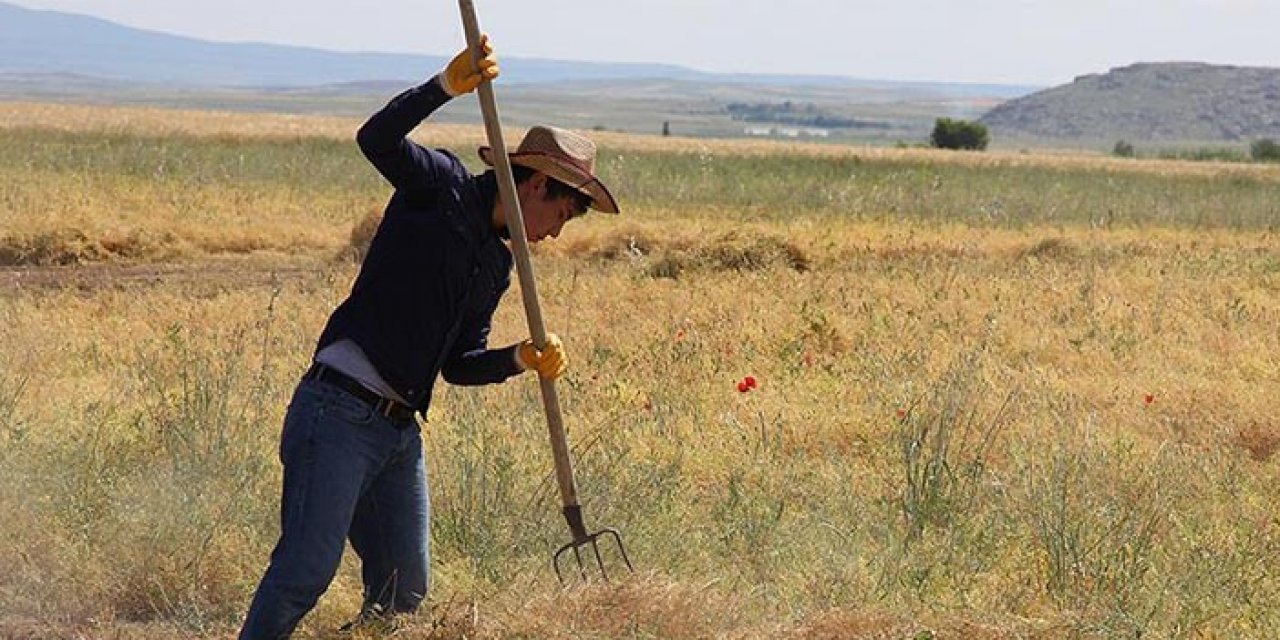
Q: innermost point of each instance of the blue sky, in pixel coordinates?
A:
(1039, 42)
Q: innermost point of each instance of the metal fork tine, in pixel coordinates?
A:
(617, 539)
(577, 555)
(592, 539)
(595, 548)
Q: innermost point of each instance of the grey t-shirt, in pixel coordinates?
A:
(347, 356)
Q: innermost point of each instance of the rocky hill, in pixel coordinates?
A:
(1156, 102)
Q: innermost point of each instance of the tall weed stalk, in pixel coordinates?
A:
(205, 427)
(12, 427)
(1096, 511)
(950, 499)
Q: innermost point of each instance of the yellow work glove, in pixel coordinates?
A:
(461, 76)
(549, 363)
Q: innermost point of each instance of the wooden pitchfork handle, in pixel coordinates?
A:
(524, 267)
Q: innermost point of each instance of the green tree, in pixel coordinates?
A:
(1124, 149)
(1265, 150)
(959, 134)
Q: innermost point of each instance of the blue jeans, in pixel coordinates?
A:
(348, 474)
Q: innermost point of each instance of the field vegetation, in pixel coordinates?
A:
(1000, 395)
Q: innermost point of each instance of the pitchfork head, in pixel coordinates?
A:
(582, 540)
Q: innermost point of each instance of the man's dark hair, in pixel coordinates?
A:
(555, 188)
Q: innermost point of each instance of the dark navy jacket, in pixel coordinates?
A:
(424, 300)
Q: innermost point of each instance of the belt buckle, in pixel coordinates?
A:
(386, 408)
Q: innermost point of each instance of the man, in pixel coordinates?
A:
(421, 306)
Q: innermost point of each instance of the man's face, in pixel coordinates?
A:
(545, 216)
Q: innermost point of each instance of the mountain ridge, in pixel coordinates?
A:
(41, 42)
(1149, 101)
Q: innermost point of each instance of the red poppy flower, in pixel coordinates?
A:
(743, 388)
(902, 413)
(1149, 398)
(750, 381)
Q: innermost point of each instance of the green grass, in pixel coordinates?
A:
(768, 187)
(312, 163)
(777, 187)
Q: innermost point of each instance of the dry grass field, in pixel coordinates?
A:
(1000, 395)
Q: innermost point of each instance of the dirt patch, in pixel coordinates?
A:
(644, 607)
(196, 278)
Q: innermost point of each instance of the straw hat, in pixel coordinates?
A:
(565, 156)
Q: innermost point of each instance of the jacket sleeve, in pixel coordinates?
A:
(384, 139)
(473, 363)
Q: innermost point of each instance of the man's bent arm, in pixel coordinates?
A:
(384, 139)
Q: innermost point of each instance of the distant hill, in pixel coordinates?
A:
(36, 44)
(47, 42)
(1154, 102)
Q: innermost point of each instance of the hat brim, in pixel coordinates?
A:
(562, 170)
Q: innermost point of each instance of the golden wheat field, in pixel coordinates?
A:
(1016, 395)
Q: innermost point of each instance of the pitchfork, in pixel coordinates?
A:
(524, 267)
